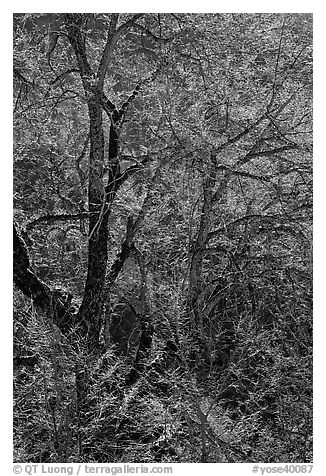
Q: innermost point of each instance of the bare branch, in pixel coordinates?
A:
(114, 34)
(74, 23)
(122, 256)
(55, 302)
(127, 245)
(241, 134)
(264, 153)
(111, 41)
(22, 78)
(263, 178)
(63, 75)
(277, 61)
(151, 35)
(80, 172)
(222, 187)
(107, 105)
(53, 218)
(124, 108)
(130, 21)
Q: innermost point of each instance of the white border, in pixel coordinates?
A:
(123, 6)
(319, 196)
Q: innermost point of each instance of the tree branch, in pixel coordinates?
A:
(63, 75)
(134, 18)
(112, 38)
(151, 35)
(54, 302)
(74, 24)
(241, 134)
(54, 218)
(122, 256)
(22, 78)
(127, 246)
(262, 178)
(111, 41)
(264, 153)
(80, 172)
(277, 63)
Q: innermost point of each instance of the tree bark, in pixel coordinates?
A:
(92, 304)
(196, 265)
(99, 195)
(52, 301)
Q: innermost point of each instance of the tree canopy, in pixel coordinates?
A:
(163, 237)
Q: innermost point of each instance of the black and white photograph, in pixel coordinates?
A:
(162, 238)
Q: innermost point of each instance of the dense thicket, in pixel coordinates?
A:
(162, 237)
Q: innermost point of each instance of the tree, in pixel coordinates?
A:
(163, 198)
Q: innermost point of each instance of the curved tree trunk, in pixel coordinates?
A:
(52, 301)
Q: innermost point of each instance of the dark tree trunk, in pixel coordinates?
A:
(92, 304)
(99, 196)
(196, 264)
(52, 301)
(143, 352)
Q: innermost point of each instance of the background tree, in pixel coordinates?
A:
(162, 236)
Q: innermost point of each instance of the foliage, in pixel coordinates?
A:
(163, 209)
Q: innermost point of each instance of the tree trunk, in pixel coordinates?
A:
(99, 195)
(52, 301)
(196, 265)
(91, 308)
(195, 305)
